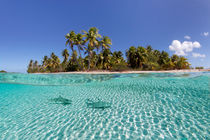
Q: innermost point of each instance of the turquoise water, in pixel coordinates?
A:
(118, 106)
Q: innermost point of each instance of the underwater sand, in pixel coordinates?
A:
(151, 106)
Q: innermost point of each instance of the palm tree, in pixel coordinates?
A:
(107, 59)
(100, 61)
(175, 59)
(70, 39)
(45, 61)
(156, 53)
(73, 65)
(149, 49)
(74, 57)
(152, 59)
(182, 63)
(80, 42)
(104, 44)
(117, 57)
(164, 59)
(44, 64)
(65, 55)
(94, 58)
(169, 65)
(150, 56)
(141, 54)
(30, 66)
(35, 66)
(131, 56)
(92, 38)
(55, 62)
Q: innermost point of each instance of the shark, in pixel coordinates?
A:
(61, 100)
(97, 104)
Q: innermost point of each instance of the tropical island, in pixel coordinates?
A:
(3, 71)
(90, 51)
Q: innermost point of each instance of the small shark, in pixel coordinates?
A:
(61, 100)
(97, 104)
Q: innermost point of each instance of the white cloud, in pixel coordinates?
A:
(182, 48)
(198, 55)
(206, 33)
(187, 37)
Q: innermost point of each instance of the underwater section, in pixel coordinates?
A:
(52, 79)
(109, 106)
(70, 79)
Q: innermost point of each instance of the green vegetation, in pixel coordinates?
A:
(199, 67)
(2, 71)
(91, 51)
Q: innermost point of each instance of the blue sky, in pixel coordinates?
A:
(31, 29)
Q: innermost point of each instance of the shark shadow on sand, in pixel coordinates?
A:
(98, 104)
(61, 100)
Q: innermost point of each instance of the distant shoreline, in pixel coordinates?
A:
(127, 72)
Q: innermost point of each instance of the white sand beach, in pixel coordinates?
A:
(116, 72)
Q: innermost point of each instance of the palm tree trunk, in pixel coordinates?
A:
(89, 55)
(78, 64)
(75, 58)
(96, 59)
(81, 66)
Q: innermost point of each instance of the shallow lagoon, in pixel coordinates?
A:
(151, 106)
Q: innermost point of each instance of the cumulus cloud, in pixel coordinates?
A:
(198, 55)
(187, 37)
(181, 49)
(206, 33)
